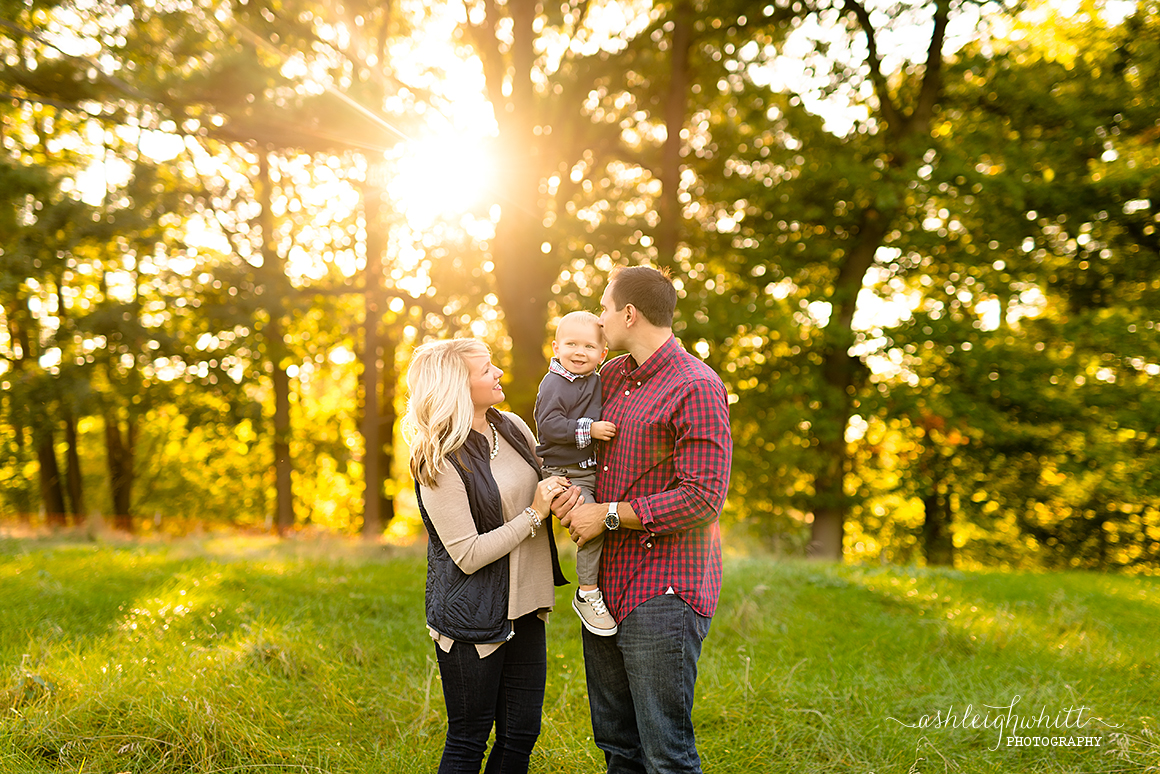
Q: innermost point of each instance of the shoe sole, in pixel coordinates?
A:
(590, 627)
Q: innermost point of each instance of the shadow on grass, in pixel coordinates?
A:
(807, 664)
(210, 664)
(241, 655)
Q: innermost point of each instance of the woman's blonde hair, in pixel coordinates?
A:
(439, 406)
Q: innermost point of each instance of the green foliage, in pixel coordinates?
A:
(1004, 399)
(241, 653)
(1024, 385)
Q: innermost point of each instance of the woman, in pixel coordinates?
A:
(491, 559)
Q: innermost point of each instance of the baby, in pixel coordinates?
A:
(567, 421)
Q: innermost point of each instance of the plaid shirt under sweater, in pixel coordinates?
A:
(670, 460)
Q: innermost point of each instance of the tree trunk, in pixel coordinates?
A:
(21, 498)
(273, 276)
(937, 542)
(523, 272)
(51, 492)
(18, 334)
(838, 368)
(838, 372)
(73, 478)
(283, 467)
(676, 111)
(372, 524)
(1101, 540)
(387, 418)
(119, 451)
(829, 524)
(73, 472)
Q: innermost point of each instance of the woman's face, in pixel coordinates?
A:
(484, 380)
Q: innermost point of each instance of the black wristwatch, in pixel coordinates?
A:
(612, 520)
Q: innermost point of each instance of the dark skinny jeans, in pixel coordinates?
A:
(504, 690)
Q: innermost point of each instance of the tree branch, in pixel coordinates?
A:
(881, 88)
(113, 80)
(582, 16)
(350, 290)
(485, 42)
(932, 77)
(44, 101)
(382, 78)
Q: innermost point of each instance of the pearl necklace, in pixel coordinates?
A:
(494, 440)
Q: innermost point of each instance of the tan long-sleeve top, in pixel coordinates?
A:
(530, 586)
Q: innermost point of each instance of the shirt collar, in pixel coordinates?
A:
(555, 367)
(655, 362)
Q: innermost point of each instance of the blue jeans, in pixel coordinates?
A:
(640, 688)
(506, 690)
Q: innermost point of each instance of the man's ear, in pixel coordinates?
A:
(630, 315)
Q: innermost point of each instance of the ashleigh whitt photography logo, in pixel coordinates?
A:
(1072, 726)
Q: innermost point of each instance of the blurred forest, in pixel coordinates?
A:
(917, 239)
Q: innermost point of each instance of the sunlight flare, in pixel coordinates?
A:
(443, 176)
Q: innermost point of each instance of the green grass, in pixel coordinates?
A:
(246, 655)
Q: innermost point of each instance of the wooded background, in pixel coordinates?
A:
(918, 240)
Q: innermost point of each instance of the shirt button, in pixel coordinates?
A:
(626, 392)
(648, 545)
(605, 468)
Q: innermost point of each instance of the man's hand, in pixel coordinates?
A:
(603, 431)
(584, 522)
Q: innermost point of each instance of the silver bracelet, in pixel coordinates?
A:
(535, 518)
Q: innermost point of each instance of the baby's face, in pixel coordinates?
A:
(579, 346)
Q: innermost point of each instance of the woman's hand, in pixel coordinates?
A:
(547, 491)
(566, 501)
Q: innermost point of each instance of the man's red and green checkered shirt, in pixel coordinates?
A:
(670, 460)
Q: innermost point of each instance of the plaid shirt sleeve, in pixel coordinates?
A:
(702, 454)
(583, 432)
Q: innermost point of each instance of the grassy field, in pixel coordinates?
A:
(248, 655)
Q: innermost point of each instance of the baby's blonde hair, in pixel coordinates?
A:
(439, 406)
(582, 316)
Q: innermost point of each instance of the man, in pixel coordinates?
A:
(661, 482)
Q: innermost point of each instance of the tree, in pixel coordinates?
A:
(543, 66)
(244, 96)
(46, 226)
(1033, 340)
(878, 163)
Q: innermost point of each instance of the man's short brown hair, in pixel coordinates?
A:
(650, 290)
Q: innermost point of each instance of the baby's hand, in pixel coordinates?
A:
(603, 431)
